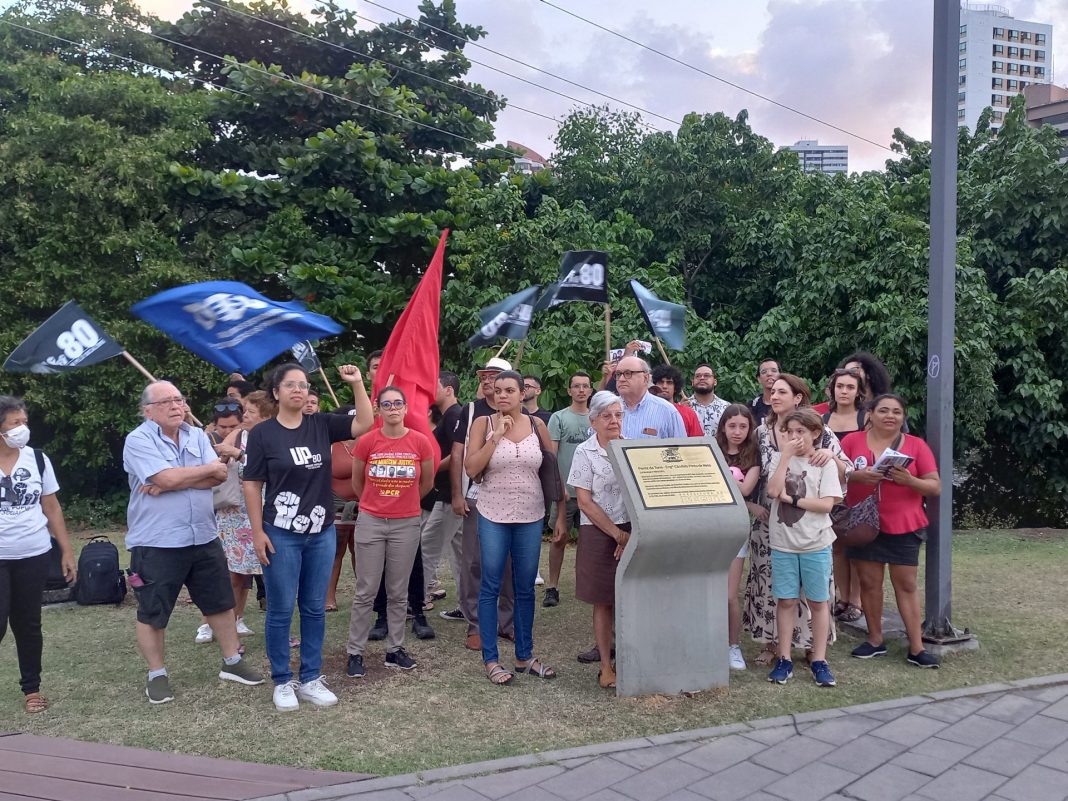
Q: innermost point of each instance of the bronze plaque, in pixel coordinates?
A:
(677, 476)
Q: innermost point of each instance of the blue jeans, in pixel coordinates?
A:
(496, 541)
(298, 574)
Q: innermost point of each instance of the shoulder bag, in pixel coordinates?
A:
(858, 525)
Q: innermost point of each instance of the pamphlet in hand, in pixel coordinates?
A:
(891, 458)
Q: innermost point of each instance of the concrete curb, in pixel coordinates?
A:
(526, 761)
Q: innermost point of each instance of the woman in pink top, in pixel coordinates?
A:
(505, 449)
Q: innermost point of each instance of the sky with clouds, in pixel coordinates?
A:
(862, 65)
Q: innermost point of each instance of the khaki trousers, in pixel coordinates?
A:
(383, 547)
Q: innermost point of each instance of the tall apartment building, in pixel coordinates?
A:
(999, 57)
(815, 157)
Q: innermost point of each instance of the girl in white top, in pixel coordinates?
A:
(29, 510)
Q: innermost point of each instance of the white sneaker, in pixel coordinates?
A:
(315, 692)
(242, 629)
(285, 697)
(204, 634)
(737, 660)
(539, 580)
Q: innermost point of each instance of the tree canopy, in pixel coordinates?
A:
(312, 157)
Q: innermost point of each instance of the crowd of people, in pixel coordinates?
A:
(278, 493)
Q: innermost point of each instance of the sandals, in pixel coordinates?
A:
(331, 607)
(768, 655)
(839, 609)
(495, 676)
(541, 671)
(35, 702)
(606, 680)
(851, 614)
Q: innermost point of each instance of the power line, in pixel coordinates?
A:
(708, 74)
(502, 55)
(422, 75)
(86, 49)
(281, 76)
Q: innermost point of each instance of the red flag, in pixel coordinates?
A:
(410, 360)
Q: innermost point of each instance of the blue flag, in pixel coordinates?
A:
(666, 320)
(509, 319)
(230, 324)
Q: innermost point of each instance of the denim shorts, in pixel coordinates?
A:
(810, 571)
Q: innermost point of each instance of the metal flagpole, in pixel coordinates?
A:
(941, 320)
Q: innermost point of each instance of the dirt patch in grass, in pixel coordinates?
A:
(1010, 589)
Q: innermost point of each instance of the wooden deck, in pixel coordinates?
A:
(34, 767)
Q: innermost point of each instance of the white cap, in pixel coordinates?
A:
(496, 364)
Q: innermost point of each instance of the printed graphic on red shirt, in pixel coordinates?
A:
(390, 473)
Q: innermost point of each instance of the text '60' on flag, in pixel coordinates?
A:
(583, 276)
(232, 325)
(666, 320)
(509, 319)
(67, 340)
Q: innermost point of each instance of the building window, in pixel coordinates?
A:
(997, 100)
(1040, 72)
(962, 63)
(1025, 36)
(999, 66)
(1023, 85)
(997, 83)
(1025, 52)
(1014, 69)
(999, 50)
(1040, 38)
(994, 131)
(963, 47)
(1014, 36)
(998, 116)
(960, 97)
(1014, 52)
(999, 33)
(1013, 84)
(1025, 69)
(1040, 55)
(960, 114)
(962, 80)
(963, 30)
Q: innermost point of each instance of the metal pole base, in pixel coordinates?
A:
(945, 638)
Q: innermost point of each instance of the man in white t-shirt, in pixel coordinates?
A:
(704, 402)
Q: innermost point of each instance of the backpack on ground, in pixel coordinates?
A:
(100, 581)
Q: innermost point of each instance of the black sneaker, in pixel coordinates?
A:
(924, 660)
(451, 614)
(355, 667)
(866, 650)
(158, 690)
(421, 629)
(552, 597)
(399, 659)
(380, 630)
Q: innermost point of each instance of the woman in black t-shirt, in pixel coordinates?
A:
(288, 456)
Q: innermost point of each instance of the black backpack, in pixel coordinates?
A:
(100, 581)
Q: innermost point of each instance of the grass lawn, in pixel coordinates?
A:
(1010, 589)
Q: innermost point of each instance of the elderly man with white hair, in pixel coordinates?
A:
(172, 537)
(644, 415)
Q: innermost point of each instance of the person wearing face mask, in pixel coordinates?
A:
(29, 511)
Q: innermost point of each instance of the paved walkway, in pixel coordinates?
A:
(1000, 741)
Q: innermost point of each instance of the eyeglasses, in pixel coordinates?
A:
(387, 405)
(531, 386)
(295, 385)
(703, 375)
(627, 375)
(167, 402)
(769, 371)
(228, 407)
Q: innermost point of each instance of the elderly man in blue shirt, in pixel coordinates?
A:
(644, 415)
(172, 537)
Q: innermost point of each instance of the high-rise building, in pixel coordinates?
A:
(815, 157)
(999, 57)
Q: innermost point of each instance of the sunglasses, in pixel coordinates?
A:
(233, 406)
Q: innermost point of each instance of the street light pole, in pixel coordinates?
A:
(937, 627)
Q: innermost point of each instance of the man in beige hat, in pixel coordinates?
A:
(464, 503)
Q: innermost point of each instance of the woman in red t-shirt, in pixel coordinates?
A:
(392, 469)
(902, 522)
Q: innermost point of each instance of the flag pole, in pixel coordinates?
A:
(153, 379)
(608, 332)
(519, 354)
(663, 353)
(329, 388)
(507, 342)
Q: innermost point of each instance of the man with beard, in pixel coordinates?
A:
(704, 402)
